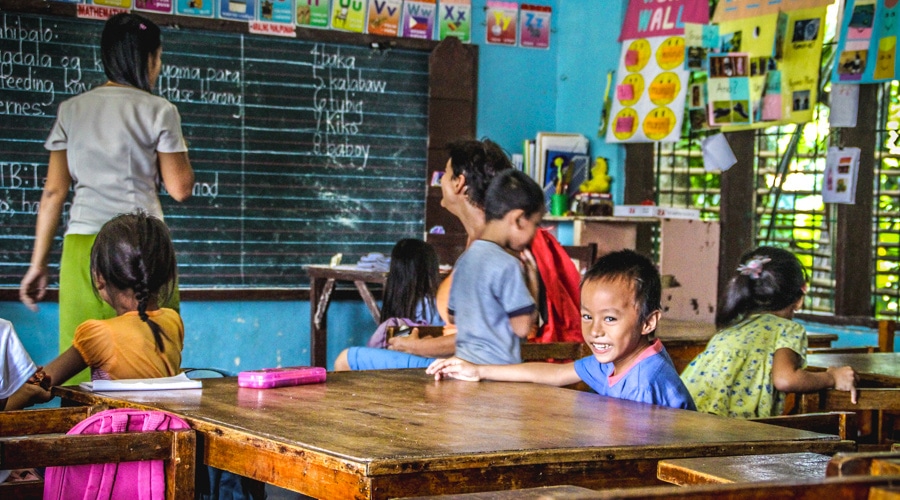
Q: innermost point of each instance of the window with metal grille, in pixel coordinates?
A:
(886, 219)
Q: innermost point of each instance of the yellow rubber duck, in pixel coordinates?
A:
(599, 181)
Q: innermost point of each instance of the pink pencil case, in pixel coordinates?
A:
(268, 378)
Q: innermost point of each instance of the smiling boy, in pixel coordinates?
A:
(620, 308)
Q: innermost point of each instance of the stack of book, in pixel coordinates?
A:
(558, 162)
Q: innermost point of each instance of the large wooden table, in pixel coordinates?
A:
(684, 340)
(398, 433)
(321, 284)
(877, 368)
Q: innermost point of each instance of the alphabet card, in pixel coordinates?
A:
(534, 26)
(237, 10)
(277, 11)
(454, 19)
(158, 6)
(196, 8)
(501, 22)
(313, 13)
(348, 15)
(418, 19)
(384, 17)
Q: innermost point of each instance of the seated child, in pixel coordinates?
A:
(133, 269)
(760, 353)
(409, 293)
(490, 302)
(620, 308)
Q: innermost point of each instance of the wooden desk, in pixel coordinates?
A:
(743, 469)
(877, 368)
(684, 340)
(396, 433)
(321, 283)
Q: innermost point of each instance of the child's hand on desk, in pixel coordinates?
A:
(844, 380)
(453, 368)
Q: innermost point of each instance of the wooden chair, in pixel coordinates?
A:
(884, 463)
(582, 255)
(36, 438)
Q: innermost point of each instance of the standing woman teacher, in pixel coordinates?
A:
(113, 143)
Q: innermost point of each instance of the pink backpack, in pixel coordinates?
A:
(143, 480)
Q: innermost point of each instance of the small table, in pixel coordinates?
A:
(743, 468)
(321, 284)
(399, 433)
(878, 368)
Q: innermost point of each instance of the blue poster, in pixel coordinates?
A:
(867, 48)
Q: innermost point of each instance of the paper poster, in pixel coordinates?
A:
(454, 19)
(276, 11)
(158, 6)
(418, 19)
(534, 28)
(649, 95)
(348, 15)
(844, 105)
(125, 4)
(841, 169)
(652, 18)
(501, 22)
(731, 10)
(196, 8)
(728, 89)
(867, 49)
(784, 51)
(237, 10)
(384, 17)
(717, 153)
(313, 13)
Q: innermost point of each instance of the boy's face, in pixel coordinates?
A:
(610, 322)
(523, 230)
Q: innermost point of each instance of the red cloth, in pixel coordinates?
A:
(561, 288)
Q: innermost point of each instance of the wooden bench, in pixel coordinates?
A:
(881, 402)
(36, 438)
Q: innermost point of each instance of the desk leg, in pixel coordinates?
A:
(319, 297)
(369, 300)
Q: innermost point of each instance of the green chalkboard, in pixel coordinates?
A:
(301, 149)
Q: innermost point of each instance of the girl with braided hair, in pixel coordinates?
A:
(133, 270)
(760, 352)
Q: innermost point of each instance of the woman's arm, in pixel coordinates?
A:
(429, 347)
(177, 174)
(787, 376)
(56, 188)
(65, 366)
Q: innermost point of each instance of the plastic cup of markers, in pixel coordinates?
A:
(559, 203)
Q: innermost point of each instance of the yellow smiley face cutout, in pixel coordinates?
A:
(670, 53)
(664, 88)
(637, 55)
(887, 53)
(625, 124)
(659, 123)
(636, 82)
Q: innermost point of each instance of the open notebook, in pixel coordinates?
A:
(180, 381)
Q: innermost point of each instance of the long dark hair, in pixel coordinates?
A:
(413, 279)
(135, 252)
(126, 45)
(768, 279)
(480, 162)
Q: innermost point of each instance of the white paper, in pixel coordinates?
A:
(180, 381)
(844, 105)
(841, 168)
(717, 153)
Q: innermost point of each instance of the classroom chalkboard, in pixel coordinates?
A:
(301, 149)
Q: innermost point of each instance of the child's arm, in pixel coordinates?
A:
(787, 376)
(539, 373)
(523, 324)
(65, 366)
(27, 395)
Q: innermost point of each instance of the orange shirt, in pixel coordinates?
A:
(124, 346)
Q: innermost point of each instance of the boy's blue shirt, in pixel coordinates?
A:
(652, 380)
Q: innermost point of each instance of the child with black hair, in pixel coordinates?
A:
(490, 302)
(760, 353)
(620, 308)
(133, 269)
